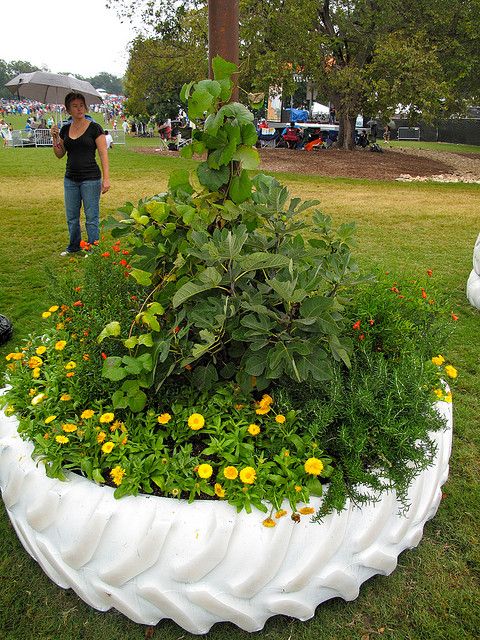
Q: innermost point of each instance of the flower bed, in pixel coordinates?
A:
(203, 563)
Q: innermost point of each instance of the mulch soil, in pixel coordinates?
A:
(339, 163)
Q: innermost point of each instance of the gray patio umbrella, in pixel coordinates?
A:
(51, 87)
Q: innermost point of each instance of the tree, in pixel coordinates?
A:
(364, 56)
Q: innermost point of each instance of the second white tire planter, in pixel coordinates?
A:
(153, 558)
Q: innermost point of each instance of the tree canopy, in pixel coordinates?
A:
(364, 56)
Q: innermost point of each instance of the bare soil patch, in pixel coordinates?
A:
(363, 163)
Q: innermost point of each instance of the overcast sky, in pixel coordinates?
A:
(80, 37)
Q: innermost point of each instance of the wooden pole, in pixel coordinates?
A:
(223, 33)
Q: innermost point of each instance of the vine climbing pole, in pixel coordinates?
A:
(223, 33)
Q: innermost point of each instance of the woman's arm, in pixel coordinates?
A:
(58, 148)
(103, 153)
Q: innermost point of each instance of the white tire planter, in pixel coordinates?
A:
(473, 283)
(153, 558)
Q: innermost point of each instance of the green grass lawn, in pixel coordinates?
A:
(406, 228)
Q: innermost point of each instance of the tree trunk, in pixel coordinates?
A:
(346, 134)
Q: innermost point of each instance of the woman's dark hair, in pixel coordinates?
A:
(74, 95)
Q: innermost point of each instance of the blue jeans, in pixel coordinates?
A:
(87, 192)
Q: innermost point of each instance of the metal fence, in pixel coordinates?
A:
(43, 138)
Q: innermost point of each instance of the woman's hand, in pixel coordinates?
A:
(55, 133)
(105, 185)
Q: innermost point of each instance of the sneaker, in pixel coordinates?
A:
(65, 253)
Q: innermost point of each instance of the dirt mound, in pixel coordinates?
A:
(404, 164)
(350, 164)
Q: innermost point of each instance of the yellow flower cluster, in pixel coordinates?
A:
(117, 474)
(264, 405)
(449, 370)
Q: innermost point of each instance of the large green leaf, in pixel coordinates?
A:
(262, 260)
(247, 156)
(315, 307)
(142, 277)
(111, 329)
(223, 68)
(213, 178)
(199, 102)
(204, 377)
(240, 188)
(211, 278)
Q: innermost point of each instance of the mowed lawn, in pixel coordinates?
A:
(404, 228)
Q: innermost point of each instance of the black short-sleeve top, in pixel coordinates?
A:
(81, 164)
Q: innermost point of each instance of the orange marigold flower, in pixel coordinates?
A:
(305, 511)
(280, 513)
(77, 289)
(268, 522)
(106, 254)
(230, 473)
(429, 273)
(78, 303)
(164, 418)
(70, 374)
(454, 317)
(101, 436)
(356, 326)
(361, 337)
(104, 356)
(424, 294)
(395, 290)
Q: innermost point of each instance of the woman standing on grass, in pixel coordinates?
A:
(83, 182)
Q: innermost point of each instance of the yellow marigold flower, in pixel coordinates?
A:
(60, 345)
(298, 488)
(305, 511)
(117, 425)
(101, 436)
(280, 419)
(253, 429)
(438, 360)
(32, 392)
(69, 427)
(9, 410)
(65, 397)
(36, 372)
(204, 471)
(54, 308)
(266, 399)
(49, 419)
(164, 418)
(40, 350)
(230, 473)
(451, 371)
(86, 357)
(268, 522)
(219, 490)
(248, 475)
(35, 362)
(238, 407)
(62, 439)
(261, 411)
(107, 417)
(286, 453)
(107, 447)
(438, 393)
(313, 466)
(11, 366)
(70, 365)
(59, 326)
(46, 314)
(280, 513)
(117, 474)
(38, 398)
(88, 413)
(196, 421)
(448, 397)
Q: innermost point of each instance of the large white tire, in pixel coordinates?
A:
(473, 283)
(198, 564)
